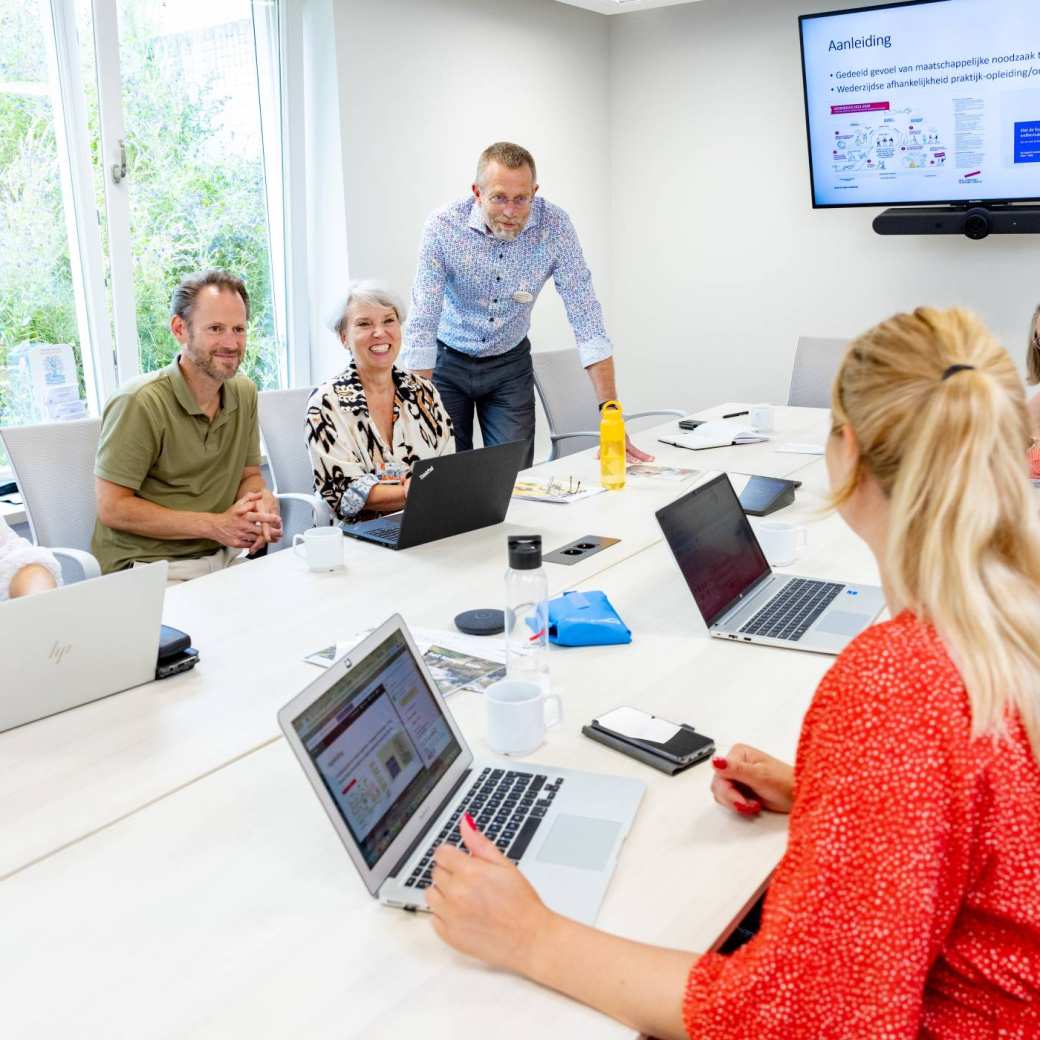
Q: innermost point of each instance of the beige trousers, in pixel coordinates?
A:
(184, 570)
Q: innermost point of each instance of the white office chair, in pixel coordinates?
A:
(570, 403)
(53, 464)
(816, 364)
(282, 424)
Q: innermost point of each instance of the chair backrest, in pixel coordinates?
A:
(567, 397)
(54, 466)
(282, 423)
(815, 365)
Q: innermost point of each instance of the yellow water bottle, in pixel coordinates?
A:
(612, 446)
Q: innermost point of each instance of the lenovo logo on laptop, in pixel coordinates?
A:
(58, 651)
(426, 473)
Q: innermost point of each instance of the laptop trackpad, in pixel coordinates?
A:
(841, 623)
(579, 841)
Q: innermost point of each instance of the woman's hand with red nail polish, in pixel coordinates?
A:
(747, 780)
(482, 905)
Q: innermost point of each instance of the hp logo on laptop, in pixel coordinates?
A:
(58, 651)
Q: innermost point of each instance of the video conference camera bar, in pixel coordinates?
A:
(973, 221)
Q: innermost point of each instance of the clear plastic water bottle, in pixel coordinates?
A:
(527, 612)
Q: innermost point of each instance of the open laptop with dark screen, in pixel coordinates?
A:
(448, 495)
(394, 773)
(737, 592)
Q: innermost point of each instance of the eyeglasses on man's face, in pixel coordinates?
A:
(518, 201)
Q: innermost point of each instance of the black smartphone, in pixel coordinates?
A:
(691, 424)
(674, 741)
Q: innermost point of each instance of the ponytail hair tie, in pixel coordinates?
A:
(954, 369)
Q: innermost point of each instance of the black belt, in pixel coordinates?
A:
(524, 343)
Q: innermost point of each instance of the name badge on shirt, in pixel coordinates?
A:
(521, 296)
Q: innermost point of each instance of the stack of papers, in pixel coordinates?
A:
(458, 662)
(555, 489)
(652, 471)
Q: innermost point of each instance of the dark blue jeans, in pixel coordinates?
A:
(500, 388)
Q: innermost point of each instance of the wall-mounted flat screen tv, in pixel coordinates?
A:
(923, 103)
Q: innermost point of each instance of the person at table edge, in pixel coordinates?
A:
(24, 568)
(482, 263)
(178, 461)
(907, 903)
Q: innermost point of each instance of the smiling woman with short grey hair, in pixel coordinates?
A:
(369, 425)
(367, 291)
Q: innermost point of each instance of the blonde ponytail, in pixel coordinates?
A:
(939, 413)
(1033, 352)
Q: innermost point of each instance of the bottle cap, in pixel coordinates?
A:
(610, 413)
(525, 551)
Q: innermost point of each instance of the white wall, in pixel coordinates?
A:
(425, 85)
(717, 260)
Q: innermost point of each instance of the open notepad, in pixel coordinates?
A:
(716, 433)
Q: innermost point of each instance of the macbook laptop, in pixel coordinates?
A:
(394, 774)
(448, 495)
(736, 590)
(80, 642)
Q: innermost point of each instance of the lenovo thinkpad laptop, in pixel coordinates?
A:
(448, 495)
(75, 644)
(736, 590)
(394, 774)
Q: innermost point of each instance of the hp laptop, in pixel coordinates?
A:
(64, 648)
(394, 774)
(449, 495)
(736, 590)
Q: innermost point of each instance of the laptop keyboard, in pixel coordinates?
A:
(508, 807)
(790, 614)
(391, 532)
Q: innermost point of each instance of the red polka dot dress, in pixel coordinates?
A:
(908, 901)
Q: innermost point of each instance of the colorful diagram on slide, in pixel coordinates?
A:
(873, 136)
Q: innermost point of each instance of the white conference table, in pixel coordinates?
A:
(229, 907)
(65, 777)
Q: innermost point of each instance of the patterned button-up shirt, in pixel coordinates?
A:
(476, 293)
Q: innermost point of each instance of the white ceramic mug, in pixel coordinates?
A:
(781, 541)
(761, 417)
(518, 714)
(322, 548)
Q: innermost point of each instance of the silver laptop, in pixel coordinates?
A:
(394, 774)
(736, 590)
(80, 642)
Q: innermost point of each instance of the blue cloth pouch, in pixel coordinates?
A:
(585, 619)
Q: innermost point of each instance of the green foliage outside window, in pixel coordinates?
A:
(194, 202)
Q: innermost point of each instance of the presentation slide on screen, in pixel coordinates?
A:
(935, 102)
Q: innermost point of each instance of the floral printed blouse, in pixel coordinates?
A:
(907, 904)
(346, 448)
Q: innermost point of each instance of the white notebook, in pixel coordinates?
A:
(715, 434)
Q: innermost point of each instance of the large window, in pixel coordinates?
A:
(41, 362)
(139, 140)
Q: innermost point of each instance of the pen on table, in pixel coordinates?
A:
(733, 415)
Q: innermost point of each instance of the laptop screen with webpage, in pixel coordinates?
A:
(380, 743)
(714, 546)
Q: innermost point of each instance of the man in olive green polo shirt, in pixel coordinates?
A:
(178, 462)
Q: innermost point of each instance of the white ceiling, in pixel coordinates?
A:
(624, 6)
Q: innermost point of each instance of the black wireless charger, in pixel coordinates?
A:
(485, 622)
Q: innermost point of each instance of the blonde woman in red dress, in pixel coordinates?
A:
(908, 902)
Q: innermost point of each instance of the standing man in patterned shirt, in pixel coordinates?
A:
(482, 263)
